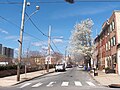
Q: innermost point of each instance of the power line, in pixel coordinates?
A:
(19, 27)
(56, 47)
(52, 48)
(10, 2)
(59, 2)
(97, 0)
(36, 27)
(32, 36)
(9, 21)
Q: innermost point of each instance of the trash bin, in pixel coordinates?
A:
(85, 68)
(88, 69)
(95, 72)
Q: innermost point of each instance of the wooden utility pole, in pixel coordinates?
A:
(48, 47)
(20, 41)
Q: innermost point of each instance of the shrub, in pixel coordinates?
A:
(8, 67)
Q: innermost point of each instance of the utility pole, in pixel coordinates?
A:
(26, 63)
(20, 41)
(48, 48)
(65, 52)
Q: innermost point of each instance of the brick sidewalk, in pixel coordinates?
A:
(12, 80)
(107, 79)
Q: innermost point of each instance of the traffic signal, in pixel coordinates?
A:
(70, 1)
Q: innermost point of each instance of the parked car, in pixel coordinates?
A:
(60, 67)
(80, 66)
(69, 66)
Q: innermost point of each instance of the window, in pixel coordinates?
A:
(106, 46)
(114, 41)
(109, 45)
(113, 25)
(111, 41)
(110, 27)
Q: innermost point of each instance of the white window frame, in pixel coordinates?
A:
(114, 40)
(110, 27)
(113, 25)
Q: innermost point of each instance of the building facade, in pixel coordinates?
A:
(0, 49)
(107, 42)
(6, 55)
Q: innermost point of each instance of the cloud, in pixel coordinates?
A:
(16, 49)
(58, 41)
(26, 38)
(10, 37)
(14, 38)
(40, 43)
(45, 47)
(57, 37)
(3, 31)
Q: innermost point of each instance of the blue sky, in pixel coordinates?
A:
(61, 16)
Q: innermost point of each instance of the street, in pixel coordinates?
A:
(72, 79)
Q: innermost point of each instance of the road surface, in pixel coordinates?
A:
(72, 79)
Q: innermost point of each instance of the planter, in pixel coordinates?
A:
(109, 71)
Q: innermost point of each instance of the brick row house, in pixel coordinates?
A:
(107, 44)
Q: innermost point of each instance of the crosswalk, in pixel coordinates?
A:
(62, 84)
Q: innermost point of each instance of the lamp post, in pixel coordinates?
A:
(21, 37)
(20, 41)
(65, 53)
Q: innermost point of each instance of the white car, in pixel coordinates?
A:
(80, 66)
(60, 67)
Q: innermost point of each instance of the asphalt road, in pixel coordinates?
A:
(72, 79)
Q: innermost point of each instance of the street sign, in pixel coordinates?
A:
(48, 60)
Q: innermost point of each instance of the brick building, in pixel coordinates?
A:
(107, 42)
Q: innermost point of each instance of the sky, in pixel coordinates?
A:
(58, 14)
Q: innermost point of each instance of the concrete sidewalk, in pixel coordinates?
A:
(12, 80)
(106, 79)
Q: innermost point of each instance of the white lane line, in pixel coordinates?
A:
(65, 84)
(78, 83)
(37, 85)
(50, 84)
(25, 85)
(90, 83)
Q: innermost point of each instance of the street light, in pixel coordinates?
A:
(21, 37)
(37, 8)
(70, 1)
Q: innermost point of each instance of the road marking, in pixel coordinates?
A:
(77, 83)
(25, 85)
(50, 84)
(37, 85)
(65, 84)
(90, 83)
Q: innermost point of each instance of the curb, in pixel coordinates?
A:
(94, 78)
(97, 81)
(32, 78)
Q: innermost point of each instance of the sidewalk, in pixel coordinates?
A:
(106, 79)
(12, 80)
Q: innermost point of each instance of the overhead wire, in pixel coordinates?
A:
(36, 26)
(52, 48)
(9, 21)
(56, 47)
(19, 27)
(59, 2)
(24, 31)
